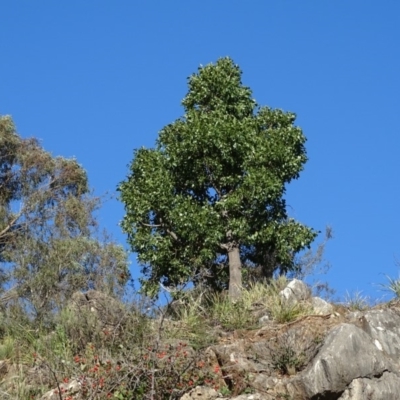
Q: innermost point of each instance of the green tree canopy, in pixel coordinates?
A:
(208, 198)
(48, 242)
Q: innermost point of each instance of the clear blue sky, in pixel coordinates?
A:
(96, 79)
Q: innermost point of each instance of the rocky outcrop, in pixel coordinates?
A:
(321, 306)
(295, 291)
(386, 387)
(347, 354)
(323, 356)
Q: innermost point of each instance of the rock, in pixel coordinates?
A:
(320, 306)
(235, 358)
(67, 389)
(354, 315)
(355, 360)
(384, 328)
(295, 291)
(386, 387)
(253, 396)
(201, 393)
(323, 355)
(264, 320)
(348, 353)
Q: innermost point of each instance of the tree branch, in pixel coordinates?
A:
(9, 226)
(152, 225)
(171, 233)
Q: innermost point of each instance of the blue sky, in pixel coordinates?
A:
(97, 79)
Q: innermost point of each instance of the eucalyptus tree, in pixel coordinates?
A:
(209, 198)
(49, 246)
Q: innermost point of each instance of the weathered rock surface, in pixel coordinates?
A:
(252, 396)
(201, 393)
(325, 356)
(295, 291)
(383, 326)
(347, 354)
(386, 387)
(321, 306)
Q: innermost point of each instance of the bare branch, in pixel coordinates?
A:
(171, 233)
(151, 225)
(10, 224)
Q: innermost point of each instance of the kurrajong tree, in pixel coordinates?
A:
(207, 201)
(49, 246)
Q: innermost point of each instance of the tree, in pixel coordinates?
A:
(48, 242)
(209, 197)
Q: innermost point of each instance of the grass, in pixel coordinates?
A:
(356, 301)
(7, 348)
(393, 286)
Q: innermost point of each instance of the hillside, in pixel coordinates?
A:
(277, 342)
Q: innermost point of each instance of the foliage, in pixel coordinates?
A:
(48, 242)
(292, 350)
(286, 359)
(121, 365)
(209, 197)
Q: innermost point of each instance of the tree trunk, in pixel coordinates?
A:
(235, 273)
